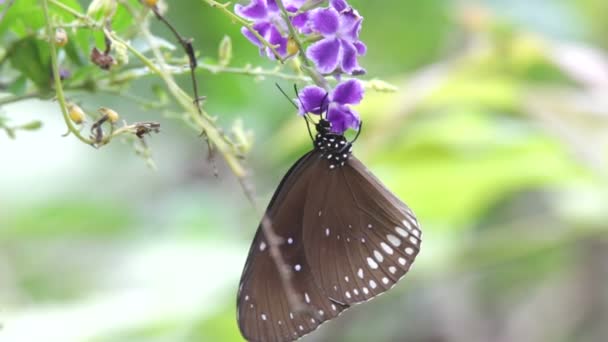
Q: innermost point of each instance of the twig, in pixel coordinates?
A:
(57, 77)
(186, 43)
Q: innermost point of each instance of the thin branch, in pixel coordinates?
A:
(186, 43)
(57, 77)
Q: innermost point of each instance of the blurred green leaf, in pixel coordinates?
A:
(67, 218)
(31, 57)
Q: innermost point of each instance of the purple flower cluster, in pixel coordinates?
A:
(316, 100)
(333, 30)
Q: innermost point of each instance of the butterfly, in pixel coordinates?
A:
(340, 238)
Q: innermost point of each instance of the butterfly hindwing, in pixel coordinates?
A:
(359, 238)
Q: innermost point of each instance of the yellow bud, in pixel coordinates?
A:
(61, 37)
(292, 47)
(76, 113)
(150, 3)
(111, 114)
(225, 51)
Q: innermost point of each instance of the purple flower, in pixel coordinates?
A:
(316, 100)
(338, 50)
(270, 24)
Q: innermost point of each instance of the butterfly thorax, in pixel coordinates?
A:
(334, 148)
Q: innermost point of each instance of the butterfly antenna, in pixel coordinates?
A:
(286, 96)
(358, 133)
(306, 118)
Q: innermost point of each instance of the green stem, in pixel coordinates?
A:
(224, 8)
(57, 77)
(308, 67)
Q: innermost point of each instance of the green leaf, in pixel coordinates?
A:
(32, 58)
(31, 126)
(19, 86)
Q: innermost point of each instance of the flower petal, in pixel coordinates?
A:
(261, 28)
(339, 5)
(326, 21)
(325, 54)
(349, 61)
(312, 99)
(342, 118)
(255, 10)
(301, 22)
(348, 92)
(275, 38)
(361, 48)
(350, 25)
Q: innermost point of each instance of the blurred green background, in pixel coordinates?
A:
(497, 138)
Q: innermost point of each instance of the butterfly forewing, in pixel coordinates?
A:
(359, 238)
(264, 311)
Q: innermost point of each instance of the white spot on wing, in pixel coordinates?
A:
(326, 231)
(306, 297)
(263, 316)
(297, 267)
(401, 231)
(413, 240)
(346, 278)
(365, 290)
(409, 251)
(386, 248)
(372, 263)
(289, 241)
(360, 273)
(385, 280)
(262, 246)
(395, 241)
(392, 269)
(372, 284)
(378, 256)
(347, 294)
(402, 261)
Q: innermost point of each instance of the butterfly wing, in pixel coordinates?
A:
(263, 310)
(360, 239)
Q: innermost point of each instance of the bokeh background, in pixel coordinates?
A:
(497, 138)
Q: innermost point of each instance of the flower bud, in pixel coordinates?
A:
(292, 47)
(225, 51)
(150, 3)
(61, 37)
(76, 113)
(111, 114)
